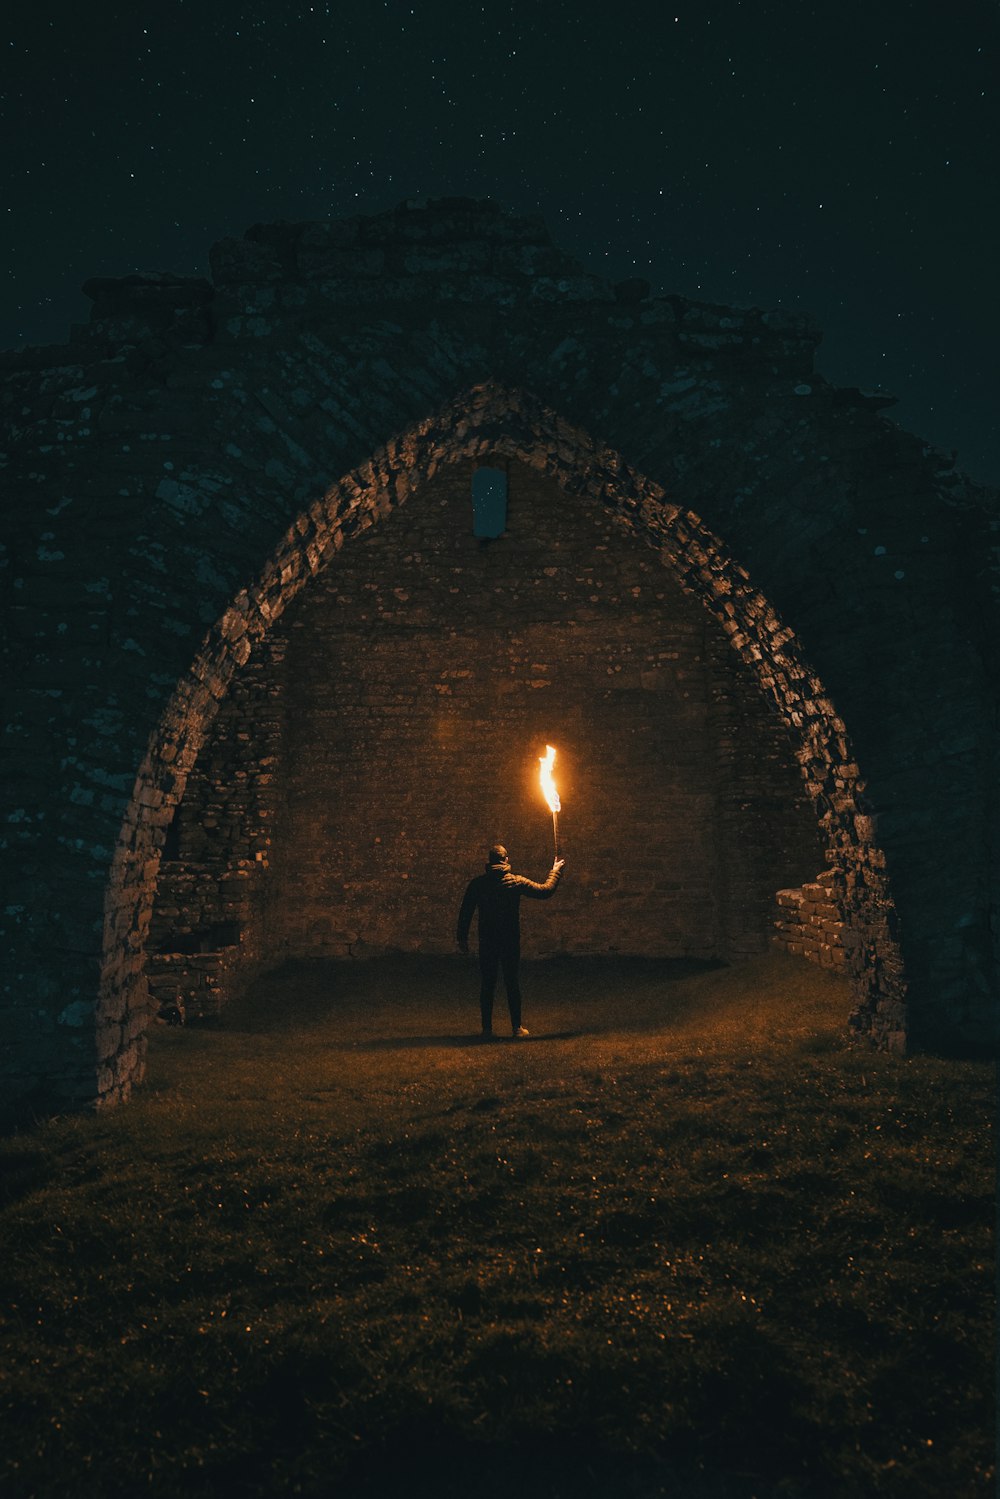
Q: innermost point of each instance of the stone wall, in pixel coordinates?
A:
(810, 921)
(207, 935)
(422, 674)
(180, 469)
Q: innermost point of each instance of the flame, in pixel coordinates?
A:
(548, 785)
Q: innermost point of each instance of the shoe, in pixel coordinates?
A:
(487, 1036)
(521, 1032)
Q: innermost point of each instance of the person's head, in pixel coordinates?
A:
(497, 854)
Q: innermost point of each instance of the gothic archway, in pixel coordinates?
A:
(489, 421)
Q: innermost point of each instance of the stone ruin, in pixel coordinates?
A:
(270, 694)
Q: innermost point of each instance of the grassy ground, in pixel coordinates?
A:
(682, 1241)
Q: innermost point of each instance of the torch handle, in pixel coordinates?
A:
(555, 833)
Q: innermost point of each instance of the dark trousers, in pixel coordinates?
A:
(491, 960)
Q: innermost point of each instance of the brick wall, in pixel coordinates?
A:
(421, 675)
(810, 920)
(207, 934)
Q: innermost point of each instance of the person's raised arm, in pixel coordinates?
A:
(543, 891)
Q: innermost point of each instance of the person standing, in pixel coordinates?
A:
(496, 895)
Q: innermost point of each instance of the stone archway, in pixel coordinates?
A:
(491, 421)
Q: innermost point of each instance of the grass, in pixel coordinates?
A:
(683, 1241)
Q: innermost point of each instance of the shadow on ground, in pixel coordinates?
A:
(388, 1025)
(378, 1002)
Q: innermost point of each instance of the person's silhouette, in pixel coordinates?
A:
(496, 895)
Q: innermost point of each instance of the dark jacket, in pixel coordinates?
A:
(496, 895)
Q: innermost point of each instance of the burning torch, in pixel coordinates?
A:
(549, 791)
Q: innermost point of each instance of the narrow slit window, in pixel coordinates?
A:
(489, 503)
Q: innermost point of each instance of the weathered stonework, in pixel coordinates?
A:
(417, 679)
(199, 453)
(810, 922)
(206, 938)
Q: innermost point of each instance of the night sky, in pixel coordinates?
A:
(840, 158)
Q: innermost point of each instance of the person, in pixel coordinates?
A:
(496, 895)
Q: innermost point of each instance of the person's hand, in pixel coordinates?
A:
(558, 863)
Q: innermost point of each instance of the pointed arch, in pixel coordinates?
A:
(490, 420)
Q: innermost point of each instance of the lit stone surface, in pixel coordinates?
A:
(391, 734)
(196, 455)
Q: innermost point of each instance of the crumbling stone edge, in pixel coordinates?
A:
(485, 421)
